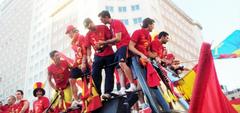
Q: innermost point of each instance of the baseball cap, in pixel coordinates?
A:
(69, 28)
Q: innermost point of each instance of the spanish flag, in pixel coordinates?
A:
(207, 96)
(185, 84)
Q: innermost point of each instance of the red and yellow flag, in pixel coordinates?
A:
(185, 85)
(207, 96)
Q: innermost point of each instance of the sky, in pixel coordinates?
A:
(219, 18)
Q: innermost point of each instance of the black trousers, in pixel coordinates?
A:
(102, 62)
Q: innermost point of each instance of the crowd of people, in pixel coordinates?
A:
(66, 75)
(18, 104)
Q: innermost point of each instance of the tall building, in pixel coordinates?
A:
(64, 13)
(185, 33)
(15, 22)
(39, 46)
(43, 25)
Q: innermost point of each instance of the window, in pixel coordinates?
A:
(109, 8)
(122, 9)
(125, 21)
(135, 7)
(137, 20)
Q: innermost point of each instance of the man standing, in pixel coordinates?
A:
(103, 57)
(121, 38)
(79, 66)
(41, 104)
(139, 45)
(22, 105)
(59, 71)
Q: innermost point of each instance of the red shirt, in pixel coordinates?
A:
(8, 108)
(101, 33)
(116, 26)
(142, 38)
(20, 105)
(60, 74)
(40, 105)
(156, 46)
(79, 49)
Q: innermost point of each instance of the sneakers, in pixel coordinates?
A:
(120, 92)
(75, 103)
(132, 88)
(106, 96)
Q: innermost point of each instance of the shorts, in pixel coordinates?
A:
(121, 54)
(77, 73)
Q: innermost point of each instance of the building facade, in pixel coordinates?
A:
(185, 33)
(15, 22)
(43, 28)
(39, 47)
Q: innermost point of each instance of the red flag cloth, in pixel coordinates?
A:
(207, 95)
(235, 101)
(152, 76)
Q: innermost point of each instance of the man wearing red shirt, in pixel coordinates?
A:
(59, 71)
(139, 45)
(121, 38)
(10, 106)
(103, 56)
(79, 66)
(22, 105)
(156, 46)
(41, 104)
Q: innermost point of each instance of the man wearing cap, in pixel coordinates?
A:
(103, 56)
(121, 38)
(59, 71)
(22, 105)
(42, 103)
(79, 66)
